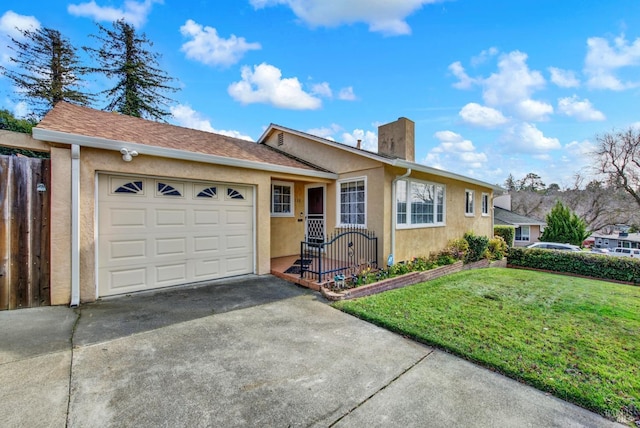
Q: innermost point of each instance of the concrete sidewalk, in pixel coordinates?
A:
(253, 352)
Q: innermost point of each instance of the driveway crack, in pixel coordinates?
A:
(351, 410)
(73, 333)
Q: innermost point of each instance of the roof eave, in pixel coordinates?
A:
(430, 170)
(116, 145)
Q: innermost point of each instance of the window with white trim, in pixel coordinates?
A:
(282, 199)
(419, 203)
(352, 202)
(469, 203)
(523, 233)
(485, 204)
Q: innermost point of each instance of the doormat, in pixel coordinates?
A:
(293, 269)
(302, 262)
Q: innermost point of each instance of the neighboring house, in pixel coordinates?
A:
(138, 205)
(528, 230)
(616, 240)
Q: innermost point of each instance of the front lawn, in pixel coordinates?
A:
(578, 339)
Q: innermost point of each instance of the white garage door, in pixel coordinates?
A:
(155, 232)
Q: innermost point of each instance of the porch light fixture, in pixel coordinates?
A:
(128, 155)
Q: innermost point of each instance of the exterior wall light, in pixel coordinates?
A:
(128, 155)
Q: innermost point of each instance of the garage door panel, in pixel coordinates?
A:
(206, 217)
(157, 232)
(206, 244)
(171, 247)
(237, 216)
(207, 268)
(237, 265)
(124, 280)
(174, 273)
(129, 249)
(166, 217)
(238, 242)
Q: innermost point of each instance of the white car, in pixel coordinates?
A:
(554, 246)
(625, 252)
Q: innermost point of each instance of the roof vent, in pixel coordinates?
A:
(280, 139)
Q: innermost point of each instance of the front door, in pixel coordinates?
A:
(315, 214)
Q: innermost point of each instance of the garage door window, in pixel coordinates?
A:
(209, 192)
(234, 194)
(167, 190)
(131, 187)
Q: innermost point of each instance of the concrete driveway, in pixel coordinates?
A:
(250, 352)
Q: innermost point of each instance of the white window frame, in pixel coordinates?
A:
(467, 212)
(528, 235)
(339, 184)
(409, 224)
(485, 204)
(291, 190)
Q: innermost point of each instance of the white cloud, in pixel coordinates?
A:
(189, 118)
(322, 89)
(582, 110)
(603, 61)
(464, 81)
(482, 116)
(513, 83)
(208, 48)
(564, 78)
(368, 139)
(483, 56)
(325, 132)
(265, 85)
(533, 110)
(527, 138)
(10, 25)
(135, 13)
(387, 17)
(347, 94)
(454, 153)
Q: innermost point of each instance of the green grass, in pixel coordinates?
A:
(578, 339)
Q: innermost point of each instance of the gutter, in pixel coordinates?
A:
(394, 209)
(75, 225)
(106, 144)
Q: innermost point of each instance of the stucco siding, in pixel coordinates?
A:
(20, 140)
(61, 230)
(288, 232)
(323, 155)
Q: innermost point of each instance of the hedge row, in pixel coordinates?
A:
(597, 266)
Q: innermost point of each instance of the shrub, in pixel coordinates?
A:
(508, 233)
(497, 248)
(605, 267)
(477, 247)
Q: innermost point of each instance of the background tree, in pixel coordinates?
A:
(564, 226)
(9, 122)
(139, 83)
(531, 182)
(47, 70)
(618, 159)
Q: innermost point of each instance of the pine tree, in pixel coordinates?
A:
(47, 70)
(139, 83)
(564, 226)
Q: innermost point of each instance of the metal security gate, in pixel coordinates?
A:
(24, 232)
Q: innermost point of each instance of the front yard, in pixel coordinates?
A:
(578, 339)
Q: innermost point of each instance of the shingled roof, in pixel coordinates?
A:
(506, 217)
(83, 121)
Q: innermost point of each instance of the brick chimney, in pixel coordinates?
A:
(397, 139)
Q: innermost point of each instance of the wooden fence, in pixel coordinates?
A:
(25, 186)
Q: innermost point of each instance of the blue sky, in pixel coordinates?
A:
(494, 87)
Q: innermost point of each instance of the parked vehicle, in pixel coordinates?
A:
(601, 251)
(554, 246)
(626, 252)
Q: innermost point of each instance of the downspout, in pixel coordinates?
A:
(394, 209)
(75, 225)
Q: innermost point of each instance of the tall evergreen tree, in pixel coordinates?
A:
(564, 226)
(47, 70)
(139, 83)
